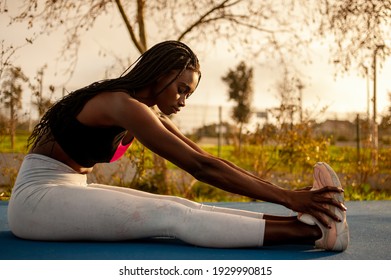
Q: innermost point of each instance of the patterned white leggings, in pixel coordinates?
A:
(50, 201)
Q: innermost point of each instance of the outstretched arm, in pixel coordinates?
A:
(299, 198)
(162, 138)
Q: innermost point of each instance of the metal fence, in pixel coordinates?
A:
(195, 116)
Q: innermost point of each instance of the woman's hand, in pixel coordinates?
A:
(317, 203)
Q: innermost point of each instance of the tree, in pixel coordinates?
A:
(247, 26)
(357, 29)
(276, 29)
(240, 83)
(11, 96)
(42, 102)
(289, 93)
(6, 52)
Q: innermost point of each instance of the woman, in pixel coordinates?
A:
(51, 199)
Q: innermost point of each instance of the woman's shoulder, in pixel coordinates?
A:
(107, 108)
(111, 100)
(115, 98)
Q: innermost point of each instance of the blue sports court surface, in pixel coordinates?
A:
(370, 239)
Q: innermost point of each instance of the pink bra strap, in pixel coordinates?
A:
(121, 149)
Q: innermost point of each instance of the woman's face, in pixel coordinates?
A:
(173, 98)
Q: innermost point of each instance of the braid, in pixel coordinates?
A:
(150, 66)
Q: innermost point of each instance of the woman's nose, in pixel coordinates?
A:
(182, 101)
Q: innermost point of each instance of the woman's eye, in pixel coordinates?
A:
(184, 90)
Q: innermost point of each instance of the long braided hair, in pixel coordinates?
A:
(149, 67)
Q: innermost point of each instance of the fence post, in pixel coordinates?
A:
(220, 132)
(358, 138)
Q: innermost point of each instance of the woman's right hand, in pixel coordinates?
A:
(315, 203)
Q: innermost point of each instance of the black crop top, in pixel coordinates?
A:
(88, 145)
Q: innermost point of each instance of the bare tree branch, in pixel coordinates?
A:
(129, 27)
(249, 27)
(357, 27)
(200, 20)
(141, 24)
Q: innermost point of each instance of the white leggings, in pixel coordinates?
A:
(50, 201)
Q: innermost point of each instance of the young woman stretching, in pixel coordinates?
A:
(51, 199)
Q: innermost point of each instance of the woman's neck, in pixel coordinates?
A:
(144, 96)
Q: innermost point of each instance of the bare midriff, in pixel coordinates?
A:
(53, 150)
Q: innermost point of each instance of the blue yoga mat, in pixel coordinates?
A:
(369, 223)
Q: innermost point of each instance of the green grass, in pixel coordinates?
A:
(20, 143)
(343, 160)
